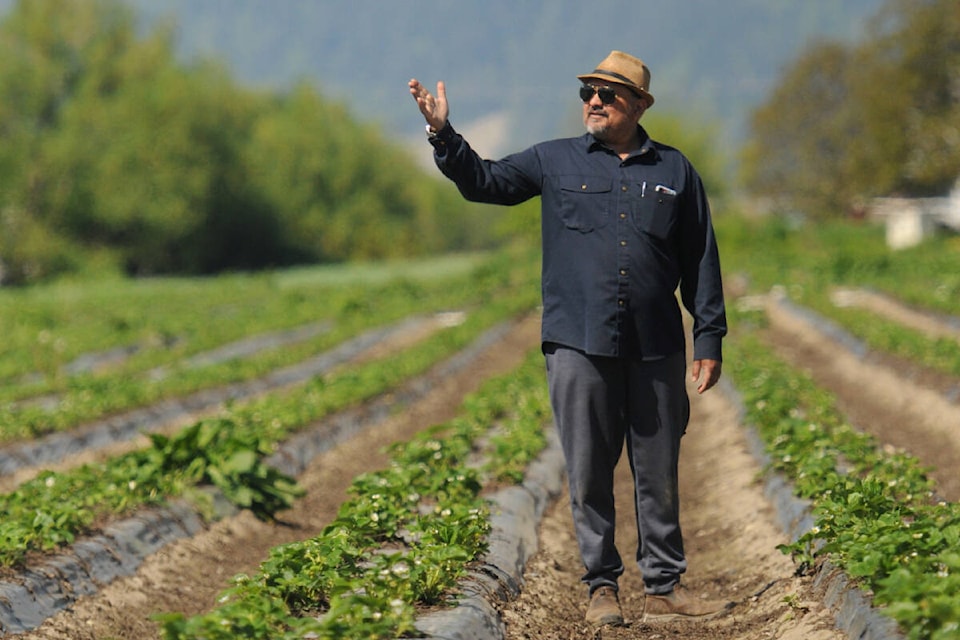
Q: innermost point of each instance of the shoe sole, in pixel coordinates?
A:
(609, 620)
(667, 617)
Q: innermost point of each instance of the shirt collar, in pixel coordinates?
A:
(648, 147)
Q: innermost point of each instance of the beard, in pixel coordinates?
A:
(598, 128)
(599, 131)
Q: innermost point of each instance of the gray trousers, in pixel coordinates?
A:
(598, 403)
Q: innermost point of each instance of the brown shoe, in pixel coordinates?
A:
(679, 604)
(604, 607)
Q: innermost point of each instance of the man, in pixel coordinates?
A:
(625, 221)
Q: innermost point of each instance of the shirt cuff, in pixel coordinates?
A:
(708, 348)
(441, 139)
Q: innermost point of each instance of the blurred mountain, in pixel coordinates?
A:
(510, 63)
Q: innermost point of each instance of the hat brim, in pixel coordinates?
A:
(640, 91)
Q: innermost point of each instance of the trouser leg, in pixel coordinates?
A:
(597, 402)
(587, 398)
(658, 410)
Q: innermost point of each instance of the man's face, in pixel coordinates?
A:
(614, 120)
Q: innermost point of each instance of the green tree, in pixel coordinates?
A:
(147, 159)
(343, 192)
(44, 49)
(846, 124)
(798, 151)
(114, 147)
(926, 50)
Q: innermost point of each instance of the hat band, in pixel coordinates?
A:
(620, 77)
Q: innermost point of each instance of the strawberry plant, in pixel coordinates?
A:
(401, 541)
(874, 513)
(216, 452)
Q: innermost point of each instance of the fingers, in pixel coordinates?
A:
(441, 109)
(419, 93)
(706, 373)
(434, 109)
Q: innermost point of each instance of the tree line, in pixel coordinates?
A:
(847, 123)
(113, 152)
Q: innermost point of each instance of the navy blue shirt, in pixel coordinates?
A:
(619, 237)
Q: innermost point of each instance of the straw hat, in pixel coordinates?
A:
(622, 68)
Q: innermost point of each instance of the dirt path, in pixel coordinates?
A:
(187, 576)
(927, 323)
(730, 535)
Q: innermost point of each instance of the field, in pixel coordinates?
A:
(164, 422)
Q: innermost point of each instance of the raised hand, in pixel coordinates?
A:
(434, 109)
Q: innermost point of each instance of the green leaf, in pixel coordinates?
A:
(241, 462)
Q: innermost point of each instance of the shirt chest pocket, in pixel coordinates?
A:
(656, 214)
(585, 202)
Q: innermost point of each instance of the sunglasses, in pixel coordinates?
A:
(607, 94)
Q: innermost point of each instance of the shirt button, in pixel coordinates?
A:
(623, 243)
(623, 188)
(620, 302)
(623, 272)
(622, 216)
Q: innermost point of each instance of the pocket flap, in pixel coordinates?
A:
(585, 184)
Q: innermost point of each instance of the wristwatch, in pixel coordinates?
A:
(435, 139)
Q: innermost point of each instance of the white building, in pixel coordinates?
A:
(910, 220)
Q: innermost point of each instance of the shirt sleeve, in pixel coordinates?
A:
(512, 180)
(701, 288)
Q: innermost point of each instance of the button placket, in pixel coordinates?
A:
(623, 233)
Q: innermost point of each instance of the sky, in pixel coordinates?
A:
(510, 65)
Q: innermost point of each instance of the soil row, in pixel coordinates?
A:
(898, 402)
(122, 432)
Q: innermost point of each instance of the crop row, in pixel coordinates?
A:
(809, 258)
(875, 513)
(941, 354)
(153, 321)
(226, 451)
(808, 261)
(404, 538)
(90, 396)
